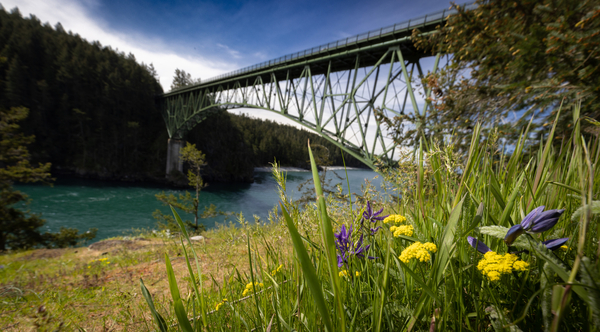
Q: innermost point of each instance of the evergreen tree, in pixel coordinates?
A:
(19, 230)
(181, 79)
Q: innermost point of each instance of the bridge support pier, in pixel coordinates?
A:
(173, 157)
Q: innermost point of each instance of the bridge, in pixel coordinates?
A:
(333, 89)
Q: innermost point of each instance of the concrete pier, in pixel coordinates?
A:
(173, 158)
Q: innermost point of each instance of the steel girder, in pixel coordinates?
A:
(333, 97)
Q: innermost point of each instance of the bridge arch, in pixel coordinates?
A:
(334, 89)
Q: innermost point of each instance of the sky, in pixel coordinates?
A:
(209, 38)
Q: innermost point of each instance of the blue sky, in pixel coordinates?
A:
(208, 38)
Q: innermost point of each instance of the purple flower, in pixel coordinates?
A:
(535, 222)
(374, 230)
(513, 233)
(480, 246)
(347, 248)
(545, 221)
(555, 243)
(372, 217)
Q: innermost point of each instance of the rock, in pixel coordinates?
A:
(197, 238)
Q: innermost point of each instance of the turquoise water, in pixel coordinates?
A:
(115, 208)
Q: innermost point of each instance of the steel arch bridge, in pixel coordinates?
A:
(333, 89)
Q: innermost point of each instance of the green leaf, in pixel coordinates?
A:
(511, 202)
(197, 291)
(180, 312)
(594, 207)
(309, 270)
(447, 243)
(558, 267)
(160, 321)
(328, 239)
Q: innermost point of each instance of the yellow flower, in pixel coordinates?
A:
(407, 230)
(494, 265)
(249, 287)
(565, 248)
(394, 218)
(343, 273)
(357, 273)
(274, 272)
(418, 251)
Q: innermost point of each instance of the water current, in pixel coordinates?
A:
(115, 208)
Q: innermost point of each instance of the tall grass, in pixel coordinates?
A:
(429, 278)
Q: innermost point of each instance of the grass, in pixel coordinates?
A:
(287, 275)
(98, 290)
(430, 278)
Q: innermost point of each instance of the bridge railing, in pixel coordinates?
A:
(373, 34)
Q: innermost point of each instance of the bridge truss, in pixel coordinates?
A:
(334, 89)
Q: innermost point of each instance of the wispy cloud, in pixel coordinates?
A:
(75, 16)
(235, 54)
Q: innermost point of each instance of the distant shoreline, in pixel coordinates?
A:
(298, 169)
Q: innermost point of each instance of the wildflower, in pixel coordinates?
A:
(493, 265)
(555, 243)
(480, 246)
(347, 247)
(343, 273)
(274, 272)
(535, 222)
(407, 230)
(370, 216)
(394, 218)
(564, 248)
(250, 287)
(418, 250)
(220, 304)
(358, 273)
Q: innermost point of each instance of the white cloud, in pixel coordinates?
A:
(75, 16)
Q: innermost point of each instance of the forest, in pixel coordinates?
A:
(93, 112)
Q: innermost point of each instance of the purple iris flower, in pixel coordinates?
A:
(347, 248)
(372, 217)
(535, 222)
(555, 243)
(480, 246)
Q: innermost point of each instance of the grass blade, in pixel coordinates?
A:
(309, 270)
(180, 312)
(160, 321)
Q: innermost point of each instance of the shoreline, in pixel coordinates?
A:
(298, 169)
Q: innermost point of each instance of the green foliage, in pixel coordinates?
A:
(92, 108)
(187, 203)
(18, 229)
(182, 79)
(431, 279)
(511, 56)
(69, 237)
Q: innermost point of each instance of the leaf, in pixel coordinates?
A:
(498, 232)
(447, 243)
(160, 321)
(180, 312)
(309, 270)
(499, 320)
(328, 239)
(594, 207)
(558, 267)
(589, 276)
(511, 202)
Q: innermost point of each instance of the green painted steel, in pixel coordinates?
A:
(335, 89)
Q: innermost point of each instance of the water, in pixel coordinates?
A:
(115, 208)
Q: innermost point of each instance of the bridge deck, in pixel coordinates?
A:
(369, 46)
